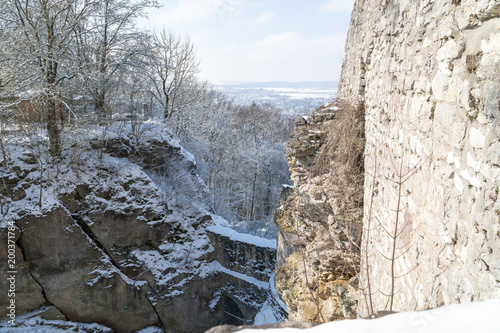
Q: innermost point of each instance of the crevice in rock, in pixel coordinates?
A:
(154, 308)
(86, 229)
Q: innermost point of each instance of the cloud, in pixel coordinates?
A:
(337, 6)
(293, 45)
(286, 56)
(188, 10)
(185, 11)
(181, 12)
(265, 17)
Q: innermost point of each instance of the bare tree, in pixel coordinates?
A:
(45, 31)
(240, 152)
(110, 46)
(173, 72)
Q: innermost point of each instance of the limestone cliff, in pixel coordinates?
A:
(426, 74)
(320, 222)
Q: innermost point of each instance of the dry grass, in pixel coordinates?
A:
(341, 159)
(342, 154)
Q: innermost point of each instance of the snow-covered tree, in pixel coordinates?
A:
(45, 32)
(173, 73)
(111, 45)
(240, 152)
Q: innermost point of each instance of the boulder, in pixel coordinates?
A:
(78, 277)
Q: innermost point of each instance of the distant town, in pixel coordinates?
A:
(294, 98)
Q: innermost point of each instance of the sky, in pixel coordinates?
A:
(260, 40)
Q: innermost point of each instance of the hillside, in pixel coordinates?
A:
(119, 232)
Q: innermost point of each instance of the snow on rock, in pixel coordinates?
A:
(245, 254)
(273, 310)
(38, 324)
(267, 315)
(274, 294)
(132, 215)
(151, 329)
(243, 277)
(456, 318)
(244, 238)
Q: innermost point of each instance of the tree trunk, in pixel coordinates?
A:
(52, 122)
(166, 111)
(100, 96)
(252, 204)
(53, 128)
(99, 106)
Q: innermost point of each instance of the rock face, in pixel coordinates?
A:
(319, 226)
(427, 73)
(69, 265)
(120, 239)
(247, 262)
(28, 293)
(254, 260)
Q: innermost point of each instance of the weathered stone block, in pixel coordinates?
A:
(76, 276)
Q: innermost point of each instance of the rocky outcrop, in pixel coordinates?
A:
(427, 75)
(16, 278)
(319, 225)
(120, 238)
(77, 277)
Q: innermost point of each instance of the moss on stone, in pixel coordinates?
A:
(284, 218)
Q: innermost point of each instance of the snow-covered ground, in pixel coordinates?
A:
(481, 317)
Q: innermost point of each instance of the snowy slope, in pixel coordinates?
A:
(458, 318)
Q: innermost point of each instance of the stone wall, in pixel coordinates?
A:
(243, 257)
(428, 73)
(248, 263)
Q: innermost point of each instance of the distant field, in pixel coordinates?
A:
(296, 98)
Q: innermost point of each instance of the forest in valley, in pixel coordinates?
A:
(73, 70)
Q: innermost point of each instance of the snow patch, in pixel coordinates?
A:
(151, 329)
(244, 238)
(32, 322)
(274, 293)
(266, 315)
(249, 279)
